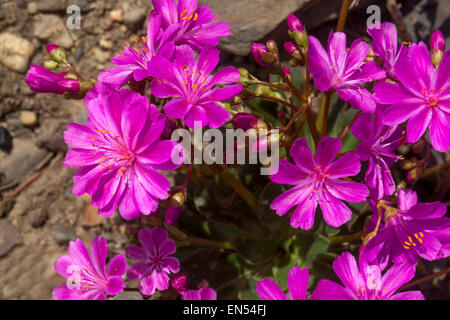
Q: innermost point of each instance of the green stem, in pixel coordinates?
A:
(239, 187)
(210, 243)
(345, 238)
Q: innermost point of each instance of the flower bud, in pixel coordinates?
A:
(57, 53)
(177, 200)
(42, 80)
(259, 51)
(179, 282)
(50, 65)
(172, 214)
(295, 23)
(244, 79)
(437, 46)
(290, 47)
(273, 49)
(69, 84)
(244, 121)
(286, 71)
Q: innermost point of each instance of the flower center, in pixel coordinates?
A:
(184, 16)
(318, 178)
(430, 97)
(114, 152)
(410, 242)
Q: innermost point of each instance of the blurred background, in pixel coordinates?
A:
(38, 213)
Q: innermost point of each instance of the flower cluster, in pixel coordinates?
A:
(399, 92)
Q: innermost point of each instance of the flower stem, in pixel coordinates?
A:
(343, 15)
(323, 114)
(210, 243)
(239, 187)
(269, 84)
(345, 238)
(305, 107)
(424, 279)
(442, 167)
(350, 125)
(263, 96)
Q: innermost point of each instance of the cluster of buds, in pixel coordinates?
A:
(42, 79)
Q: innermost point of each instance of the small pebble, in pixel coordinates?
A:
(116, 15)
(28, 118)
(32, 8)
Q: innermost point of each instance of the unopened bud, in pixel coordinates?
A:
(286, 71)
(273, 49)
(294, 23)
(244, 121)
(69, 84)
(179, 282)
(259, 50)
(437, 46)
(171, 215)
(244, 79)
(177, 200)
(50, 65)
(57, 53)
(290, 47)
(418, 146)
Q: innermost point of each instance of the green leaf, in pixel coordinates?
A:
(250, 292)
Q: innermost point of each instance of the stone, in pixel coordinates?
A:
(15, 51)
(38, 217)
(5, 140)
(52, 6)
(63, 236)
(91, 217)
(116, 15)
(28, 118)
(134, 18)
(32, 8)
(21, 162)
(9, 237)
(51, 28)
(252, 20)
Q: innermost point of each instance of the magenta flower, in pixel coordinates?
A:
(344, 71)
(418, 229)
(422, 97)
(317, 182)
(155, 262)
(133, 63)
(378, 142)
(366, 282)
(194, 25)
(118, 152)
(86, 274)
(42, 80)
(201, 294)
(189, 81)
(298, 279)
(385, 46)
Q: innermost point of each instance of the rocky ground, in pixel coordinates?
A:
(38, 213)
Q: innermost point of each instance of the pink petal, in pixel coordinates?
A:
(217, 115)
(334, 211)
(117, 266)
(267, 289)
(302, 155)
(348, 191)
(327, 150)
(288, 174)
(440, 139)
(99, 252)
(298, 283)
(417, 125)
(347, 270)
